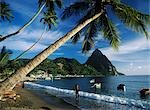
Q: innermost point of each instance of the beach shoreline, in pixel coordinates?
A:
(29, 100)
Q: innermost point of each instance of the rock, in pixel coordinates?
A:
(121, 87)
(101, 63)
(97, 85)
(144, 92)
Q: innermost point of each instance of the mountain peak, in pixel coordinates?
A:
(101, 63)
(97, 51)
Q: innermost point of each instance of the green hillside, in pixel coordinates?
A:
(63, 66)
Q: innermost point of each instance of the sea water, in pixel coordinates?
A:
(108, 97)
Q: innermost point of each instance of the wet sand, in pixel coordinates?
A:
(29, 100)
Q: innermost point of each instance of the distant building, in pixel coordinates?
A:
(60, 65)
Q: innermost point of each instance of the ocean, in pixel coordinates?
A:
(108, 97)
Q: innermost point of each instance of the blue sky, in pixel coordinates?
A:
(134, 51)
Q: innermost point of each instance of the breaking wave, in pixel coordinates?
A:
(110, 99)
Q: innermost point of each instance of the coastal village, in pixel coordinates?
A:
(74, 55)
(45, 75)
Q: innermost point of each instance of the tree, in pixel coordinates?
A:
(4, 59)
(50, 4)
(4, 56)
(5, 12)
(139, 21)
(129, 16)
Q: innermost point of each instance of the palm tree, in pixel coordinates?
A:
(50, 4)
(137, 21)
(104, 25)
(5, 12)
(4, 58)
(49, 19)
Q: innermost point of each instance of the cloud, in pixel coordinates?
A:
(28, 37)
(129, 54)
(127, 49)
(132, 57)
(135, 69)
(50, 36)
(22, 45)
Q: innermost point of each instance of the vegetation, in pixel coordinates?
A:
(73, 67)
(61, 66)
(104, 24)
(96, 16)
(49, 15)
(5, 70)
(5, 12)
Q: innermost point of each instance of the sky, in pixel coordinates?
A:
(133, 55)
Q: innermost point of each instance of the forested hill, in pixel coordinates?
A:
(101, 63)
(97, 64)
(63, 66)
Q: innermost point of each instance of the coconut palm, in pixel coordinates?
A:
(50, 5)
(5, 12)
(103, 24)
(91, 19)
(4, 58)
(48, 19)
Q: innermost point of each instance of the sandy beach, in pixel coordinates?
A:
(28, 100)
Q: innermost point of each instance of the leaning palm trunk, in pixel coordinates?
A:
(24, 26)
(10, 82)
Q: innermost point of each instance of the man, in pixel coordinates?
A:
(77, 91)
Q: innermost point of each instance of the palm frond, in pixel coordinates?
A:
(89, 14)
(4, 56)
(3, 50)
(49, 18)
(75, 9)
(132, 18)
(76, 38)
(109, 31)
(86, 46)
(114, 1)
(59, 3)
(5, 12)
(40, 2)
(51, 3)
(91, 33)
